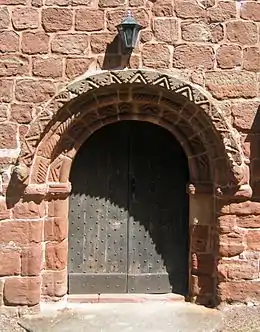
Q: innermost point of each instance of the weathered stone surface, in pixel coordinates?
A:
(253, 239)
(4, 211)
(35, 42)
(162, 8)
(229, 56)
(25, 18)
(56, 255)
(196, 32)
(77, 66)
(251, 59)
(9, 41)
(31, 260)
(56, 19)
(231, 244)
(47, 67)
(99, 42)
(55, 229)
(250, 10)
(21, 113)
(166, 30)
(1, 291)
(89, 19)
(225, 85)
(244, 113)
(21, 232)
(54, 283)
(13, 64)
(193, 56)
(34, 91)
(4, 18)
(6, 90)
(8, 133)
(242, 32)
(238, 269)
(189, 9)
(70, 44)
(222, 12)
(22, 291)
(28, 210)
(226, 224)
(111, 3)
(10, 262)
(246, 291)
(156, 55)
(251, 221)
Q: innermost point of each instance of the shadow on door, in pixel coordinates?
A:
(128, 217)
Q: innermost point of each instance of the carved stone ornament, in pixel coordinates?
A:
(88, 104)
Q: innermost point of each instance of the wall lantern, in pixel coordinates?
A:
(128, 31)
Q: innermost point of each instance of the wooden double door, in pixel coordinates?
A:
(128, 214)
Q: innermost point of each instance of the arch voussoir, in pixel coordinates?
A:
(148, 95)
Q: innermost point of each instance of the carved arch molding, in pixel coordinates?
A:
(211, 144)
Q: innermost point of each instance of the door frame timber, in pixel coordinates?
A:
(218, 169)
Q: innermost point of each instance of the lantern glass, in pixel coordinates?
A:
(128, 31)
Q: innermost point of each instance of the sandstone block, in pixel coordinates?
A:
(247, 291)
(35, 42)
(21, 113)
(21, 232)
(50, 22)
(229, 56)
(34, 91)
(251, 57)
(54, 283)
(156, 55)
(13, 64)
(31, 260)
(55, 229)
(163, 8)
(28, 210)
(223, 11)
(10, 262)
(242, 32)
(77, 66)
(9, 41)
(248, 221)
(56, 255)
(231, 244)
(70, 44)
(6, 90)
(193, 56)
(4, 18)
(47, 67)
(189, 9)
(224, 85)
(22, 291)
(8, 132)
(89, 20)
(250, 11)
(166, 30)
(25, 18)
(253, 239)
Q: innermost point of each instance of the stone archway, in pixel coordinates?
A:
(215, 158)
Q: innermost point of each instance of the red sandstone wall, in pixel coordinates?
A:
(45, 44)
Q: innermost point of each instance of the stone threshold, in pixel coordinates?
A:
(124, 298)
